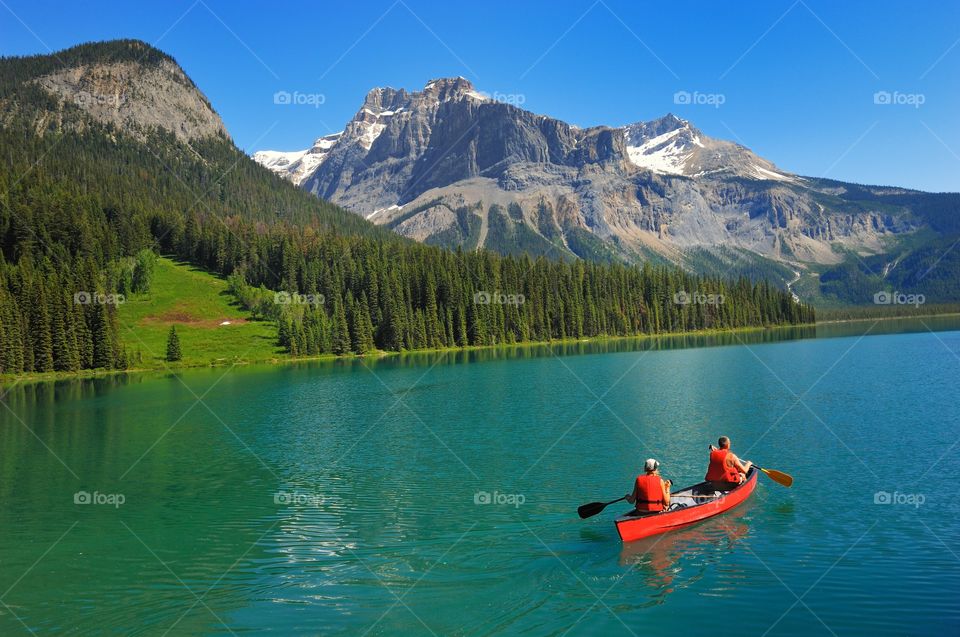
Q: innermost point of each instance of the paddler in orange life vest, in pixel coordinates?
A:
(650, 491)
(726, 470)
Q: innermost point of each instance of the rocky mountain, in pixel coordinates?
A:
(123, 117)
(449, 165)
(127, 85)
(671, 146)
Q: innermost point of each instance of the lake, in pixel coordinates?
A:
(437, 493)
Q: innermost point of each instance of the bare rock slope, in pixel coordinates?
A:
(449, 165)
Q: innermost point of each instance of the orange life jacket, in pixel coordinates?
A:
(719, 471)
(649, 493)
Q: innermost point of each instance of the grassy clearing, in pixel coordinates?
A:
(213, 329)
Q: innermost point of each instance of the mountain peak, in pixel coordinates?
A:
(672, 120)
(671, 145)
(445, 83)
(99, 52)
(123, 83)
(660, 126)
(440, 89)
(447, 88)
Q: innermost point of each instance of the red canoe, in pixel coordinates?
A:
(684, 509)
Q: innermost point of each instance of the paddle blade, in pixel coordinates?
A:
(589, 510)
(779, 477)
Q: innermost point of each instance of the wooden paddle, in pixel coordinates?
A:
(777, 476)
(590, 510)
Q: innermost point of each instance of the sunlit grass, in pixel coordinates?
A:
(198, 304)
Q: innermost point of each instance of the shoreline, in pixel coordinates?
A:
(888, 318)
(34, 377)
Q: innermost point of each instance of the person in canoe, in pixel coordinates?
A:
(726, 470)
(650, 491)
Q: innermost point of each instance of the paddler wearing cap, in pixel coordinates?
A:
(650, 491)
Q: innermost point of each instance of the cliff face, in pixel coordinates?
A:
(400, 144)
(128, 85)
(430, 164)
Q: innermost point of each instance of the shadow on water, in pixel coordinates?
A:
(609, 346)
(680, 558)
(67, 389)
(785, 509)
(645, 343)
(591, 534)
(568, 348)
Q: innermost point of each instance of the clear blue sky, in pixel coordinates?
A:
(797, 79)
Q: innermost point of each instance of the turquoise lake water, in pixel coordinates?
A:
(437, 493)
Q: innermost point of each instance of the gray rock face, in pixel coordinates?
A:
(400, 145)
(432, 163)
(135, 97)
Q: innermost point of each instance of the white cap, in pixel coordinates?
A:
(651, 465)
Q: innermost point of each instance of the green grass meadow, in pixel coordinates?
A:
(213, 328)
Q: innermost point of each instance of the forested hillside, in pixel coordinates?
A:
(80, 202)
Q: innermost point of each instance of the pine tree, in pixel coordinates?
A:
(173, 346)
(341, 331)
(63, 353)
(81, 329)
(40, 330)
(431, 319)
(11, 339)
(283, 331)
(100, 334)
(362, 332)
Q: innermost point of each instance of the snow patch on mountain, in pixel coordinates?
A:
(672, 146)
(664, 154)
(371, 130)
(379, 210)
(278, 160)
(297, 165)
(763, 173)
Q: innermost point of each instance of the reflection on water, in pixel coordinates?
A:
(678, 559)
(606, 346)
(667, 342)
(47, 392)
(67, 389)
